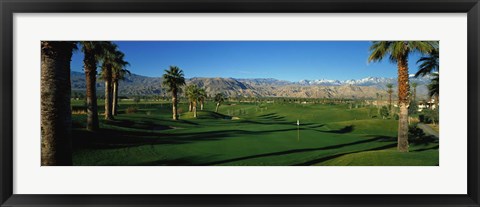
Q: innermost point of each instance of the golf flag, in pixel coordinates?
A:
(298, 130)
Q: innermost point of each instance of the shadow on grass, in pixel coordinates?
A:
(346, 129)
(143, 124)
(132, 134)
(110, 138)
(184, 161)
(425, 149)
(323, 159)
(294, 151)
(212, 115)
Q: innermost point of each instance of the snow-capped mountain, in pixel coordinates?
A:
(378, 82)
(261, 87)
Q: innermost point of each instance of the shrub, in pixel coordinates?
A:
(417, 136)
(131, 110)
(81, 111)
(384, 112)
(136, 99)
(396, 117)
(413, 108)
(421, 118)
(429, 116)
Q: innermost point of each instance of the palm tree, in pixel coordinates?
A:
(398, 52)
(189, 93)
(219, 99)
(428, 64)
(118, 73)
(56, 116)
(193, 93)
(390, 91)
(93, 52)
(108, 63)
(173, 79)
(201, 98)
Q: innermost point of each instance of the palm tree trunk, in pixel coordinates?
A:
(403, 100)
(115, 98)
(414, 94)
(108, 93)
(201, 106)
(195, 109)
(174, 105)
(91, 93)
(55, 103)
(190, 107)
(216, 108)
(390, 100)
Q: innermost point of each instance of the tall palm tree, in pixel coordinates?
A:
(219, 99)
(398, 52)
(108, 62)
(56, 116)
(93, 52)
(173, 79)
(389, 91)
(118, 73)
(202, 96)
(428, 64)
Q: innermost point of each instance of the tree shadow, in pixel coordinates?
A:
(113, 139)
(425, 149)
(136, 135)
(417, 136)
(346, 129)
(293, 151)
(323, 159)
(183, 161)
(143, 124)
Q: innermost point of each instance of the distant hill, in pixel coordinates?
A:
(260, 87)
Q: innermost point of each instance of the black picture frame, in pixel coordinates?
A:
(9, 7)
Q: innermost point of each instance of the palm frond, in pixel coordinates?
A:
(378, 50)
(428, 64)
(434, 86)
(173, 79)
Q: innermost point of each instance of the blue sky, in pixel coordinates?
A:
(283, 60)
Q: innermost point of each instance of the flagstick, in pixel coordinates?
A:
(298, 130)
(298, 133)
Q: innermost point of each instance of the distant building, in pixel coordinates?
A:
(430, 104)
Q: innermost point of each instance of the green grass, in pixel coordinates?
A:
(244, 134)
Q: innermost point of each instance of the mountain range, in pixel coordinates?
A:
(261, 87)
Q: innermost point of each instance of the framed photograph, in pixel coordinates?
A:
(239, 103)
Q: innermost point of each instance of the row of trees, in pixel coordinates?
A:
(56, 91)
(398, 52)
(113, 64)
(195, 95)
